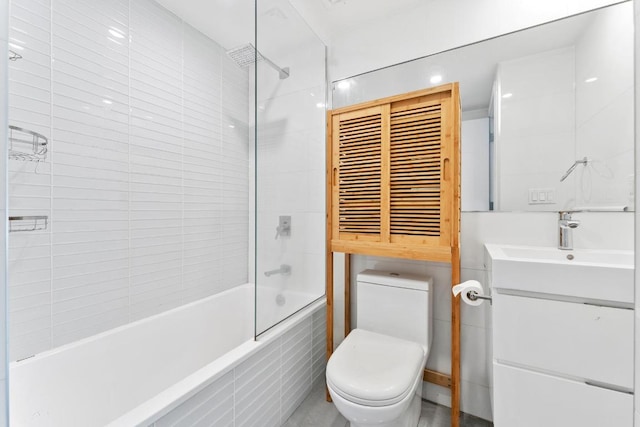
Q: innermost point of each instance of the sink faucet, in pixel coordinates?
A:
(566, 226)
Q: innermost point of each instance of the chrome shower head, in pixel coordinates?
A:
(246, 55)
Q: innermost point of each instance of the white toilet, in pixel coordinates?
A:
(375, 375)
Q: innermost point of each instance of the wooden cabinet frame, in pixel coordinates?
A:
(445, 247)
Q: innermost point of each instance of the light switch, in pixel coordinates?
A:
(542, 196)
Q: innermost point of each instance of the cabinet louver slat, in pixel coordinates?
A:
(359, 174)
(415, 171)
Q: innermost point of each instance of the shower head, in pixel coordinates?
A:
(247, 55)
(244, 55)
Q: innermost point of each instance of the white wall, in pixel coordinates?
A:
(146, 181)
(534, 129)
(603, 53)
(430, 28)
(474, 185)
(597, 230)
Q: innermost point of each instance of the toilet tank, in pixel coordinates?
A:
(395, 304)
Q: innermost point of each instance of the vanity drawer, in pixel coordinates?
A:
(529, 399)
(574, 339)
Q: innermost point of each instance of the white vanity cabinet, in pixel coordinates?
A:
(534, 399)
(560, 359)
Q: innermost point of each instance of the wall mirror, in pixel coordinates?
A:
(548, 120)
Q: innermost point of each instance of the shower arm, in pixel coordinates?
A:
(282, 72)
(584, 161)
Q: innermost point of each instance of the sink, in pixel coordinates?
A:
(589, 257)
(592, 274)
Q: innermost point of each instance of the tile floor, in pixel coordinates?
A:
(315, 411)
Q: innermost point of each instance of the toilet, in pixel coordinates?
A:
(375, 375)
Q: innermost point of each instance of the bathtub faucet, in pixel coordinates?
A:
(284, 269)
(566, 225)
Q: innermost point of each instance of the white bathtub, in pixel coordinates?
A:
(135, 374)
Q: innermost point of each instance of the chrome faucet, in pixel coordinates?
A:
(565, 226)
(284, 269)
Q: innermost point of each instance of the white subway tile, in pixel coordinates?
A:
(212, 406)
(85, 327)
(29, 344)
(257, 386)
(136, 226)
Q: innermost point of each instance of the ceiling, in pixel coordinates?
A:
(231, 22)
(332, 18)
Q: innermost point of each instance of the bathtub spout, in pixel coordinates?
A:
(284, 269)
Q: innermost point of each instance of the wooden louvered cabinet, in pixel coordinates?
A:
(394, 176)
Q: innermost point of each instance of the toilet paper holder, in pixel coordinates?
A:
(473, 296)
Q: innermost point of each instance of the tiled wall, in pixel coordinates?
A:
(597, 230)
(146, 180)
(265, 389)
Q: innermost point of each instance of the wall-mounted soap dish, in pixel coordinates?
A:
(28, 223)
(27, 145)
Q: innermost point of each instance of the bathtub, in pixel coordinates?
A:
(136, 374)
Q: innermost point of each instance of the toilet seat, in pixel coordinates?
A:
(373, 369)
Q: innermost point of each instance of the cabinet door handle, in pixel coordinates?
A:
(445, 169)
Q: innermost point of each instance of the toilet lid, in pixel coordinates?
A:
(373, 369)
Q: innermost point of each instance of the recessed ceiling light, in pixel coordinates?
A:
(320, 105)
(591, 80)
(232, 126)
(107, 101)
(507, 95)
(344, 84)
(436, 78)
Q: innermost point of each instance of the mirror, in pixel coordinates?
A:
(547, 112)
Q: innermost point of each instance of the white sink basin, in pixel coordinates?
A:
(605, 275)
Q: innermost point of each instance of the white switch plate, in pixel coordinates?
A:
(542, 196)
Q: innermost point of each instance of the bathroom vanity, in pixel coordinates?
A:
(562, 336)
